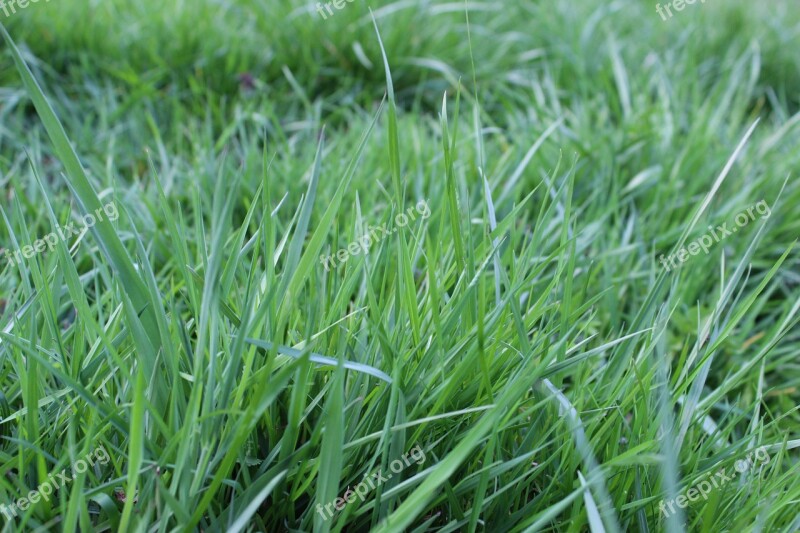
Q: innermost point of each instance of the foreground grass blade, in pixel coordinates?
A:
(76, 178)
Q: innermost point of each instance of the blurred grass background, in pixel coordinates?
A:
(183, 49)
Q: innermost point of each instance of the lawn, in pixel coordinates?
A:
(416, 265)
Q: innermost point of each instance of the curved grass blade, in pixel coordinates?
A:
(322, 359)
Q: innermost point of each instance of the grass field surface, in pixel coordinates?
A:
(416, 265)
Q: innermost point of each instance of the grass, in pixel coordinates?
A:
(524, 335)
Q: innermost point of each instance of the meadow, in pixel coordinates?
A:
(519, 338)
